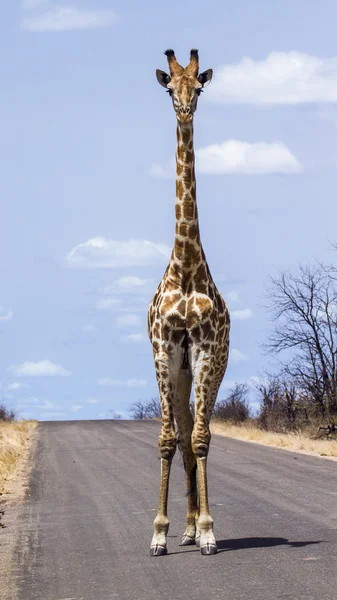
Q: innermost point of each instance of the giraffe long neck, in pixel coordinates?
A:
(187, 250)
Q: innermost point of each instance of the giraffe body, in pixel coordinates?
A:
(188, 324)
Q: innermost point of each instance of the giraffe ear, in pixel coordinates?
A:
(205, 77)
(163, 78)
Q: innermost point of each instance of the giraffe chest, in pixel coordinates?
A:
(183, 311)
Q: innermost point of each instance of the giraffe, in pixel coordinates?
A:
(188, 325)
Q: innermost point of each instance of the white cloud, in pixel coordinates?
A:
(42, 368)
(100, 253)
(65, 18)
(234, 156)
(7, 316)
(27, 402)
(130, 383)
(163, 171)
(232, 297)
(136, 383)
(47, 405)
(15, 386)
(92, 401)
(76, 407)
(281, 78)
(135, 338)
(129, 284)
(128, 320)
(89, 328)
(107, 303)
(237, 355)
(108, 382)
(241, 315)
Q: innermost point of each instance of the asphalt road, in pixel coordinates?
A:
(85, 531)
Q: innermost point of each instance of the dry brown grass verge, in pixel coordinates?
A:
(297, 442)
(14, 436)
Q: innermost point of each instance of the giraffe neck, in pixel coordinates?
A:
(187, 250)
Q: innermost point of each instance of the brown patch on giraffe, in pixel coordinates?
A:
(183, 229)
(170, 285)
(186, 136)
(188, 208)
(193, 231)
(179, 249)
(179, 189)
(193, 252)
(178, 211)
(181, 307)
(175, 321)
(177, 336)
(200, 275)
(198, 309)
(167, 303)
(204, 304)
(206, 329)
(165, 333)
(156, 330)
(189, 157)
(197, 334)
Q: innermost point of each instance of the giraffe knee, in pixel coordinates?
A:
(167, 446)
(200, 443)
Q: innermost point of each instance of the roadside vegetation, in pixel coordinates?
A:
(14, 436)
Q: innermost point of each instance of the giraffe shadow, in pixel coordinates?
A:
(261, 542)
(251, 542)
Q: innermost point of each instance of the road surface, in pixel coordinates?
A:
(84, 532)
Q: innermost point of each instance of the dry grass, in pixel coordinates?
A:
(298, 442)
(14, 436)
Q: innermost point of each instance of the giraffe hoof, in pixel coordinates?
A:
(158, 550)
(208, 549)
(186, 540)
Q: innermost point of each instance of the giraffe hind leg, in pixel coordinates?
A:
(184, 420)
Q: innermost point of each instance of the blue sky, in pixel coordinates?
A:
(87, 193)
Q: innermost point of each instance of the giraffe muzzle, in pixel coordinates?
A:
(184, 114)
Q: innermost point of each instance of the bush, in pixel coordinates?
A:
(146, 409)
(282, 406)
(235, 407)
(7, 414)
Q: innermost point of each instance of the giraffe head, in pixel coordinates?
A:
(184, 85)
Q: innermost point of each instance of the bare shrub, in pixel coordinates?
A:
(303, 306)
(145, 409)
(283, 407)
(235, 407)
(7, 414)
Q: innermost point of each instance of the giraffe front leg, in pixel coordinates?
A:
(167, 443)
(161, 522)
(200, 444)
(167, 446)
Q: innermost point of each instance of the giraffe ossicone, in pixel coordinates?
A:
(188, 324)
